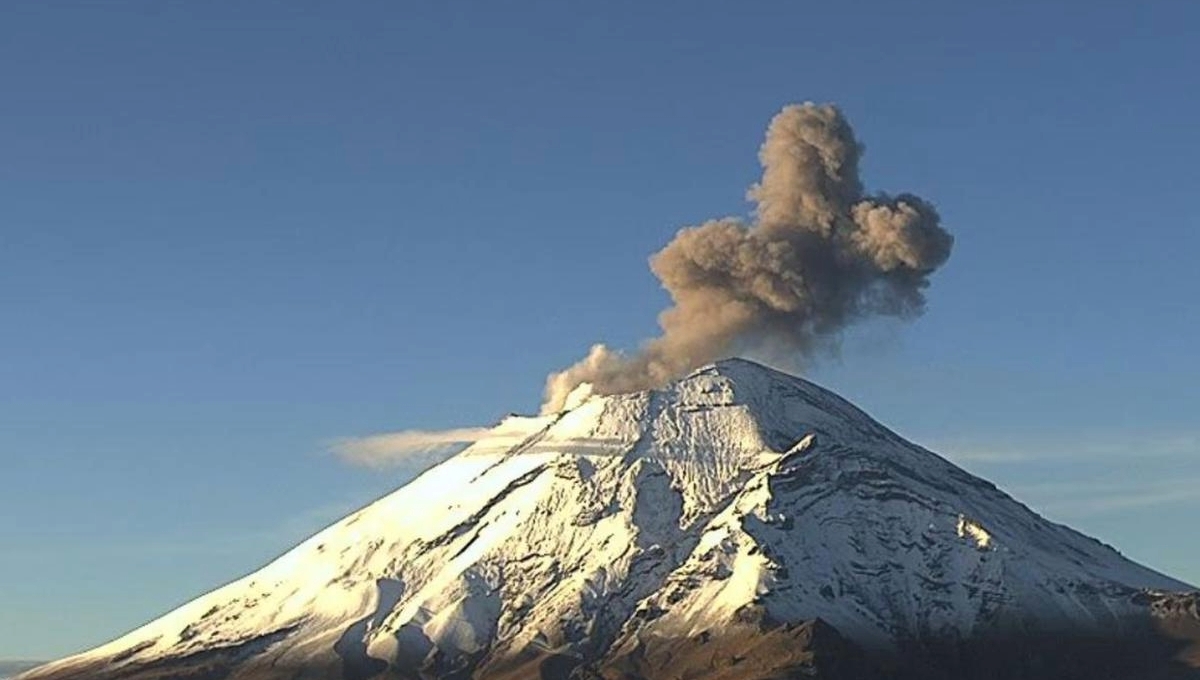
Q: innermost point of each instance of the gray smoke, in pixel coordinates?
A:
(820, 254)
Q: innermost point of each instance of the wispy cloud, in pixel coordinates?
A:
(1058, 448)
(408, 447)
(1093, 497)
(1091, 474)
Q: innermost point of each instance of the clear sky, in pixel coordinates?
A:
(233, 232)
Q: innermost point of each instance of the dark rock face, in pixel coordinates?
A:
(803, 650)
(1161, 648)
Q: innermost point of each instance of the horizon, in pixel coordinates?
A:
(237, 238)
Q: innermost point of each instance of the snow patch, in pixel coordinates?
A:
(976, 532)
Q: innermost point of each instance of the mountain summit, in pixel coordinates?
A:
(739, 523)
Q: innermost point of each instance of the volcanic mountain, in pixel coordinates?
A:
(739, 523)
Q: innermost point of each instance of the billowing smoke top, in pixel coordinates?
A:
(820, 255)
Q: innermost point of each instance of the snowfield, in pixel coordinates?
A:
(736, 495)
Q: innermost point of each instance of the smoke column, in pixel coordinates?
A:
(819, 255)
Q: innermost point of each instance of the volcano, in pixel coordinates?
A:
(737, 524)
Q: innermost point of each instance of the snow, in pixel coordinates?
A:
(664, 512)
(968, 528)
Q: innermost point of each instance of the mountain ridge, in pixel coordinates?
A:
(630, 535)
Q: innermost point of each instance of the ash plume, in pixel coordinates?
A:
(820, 254)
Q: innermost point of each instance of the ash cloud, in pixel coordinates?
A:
(819, 255)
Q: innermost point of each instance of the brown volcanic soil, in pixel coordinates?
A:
(1178, 616)
(1167, 647)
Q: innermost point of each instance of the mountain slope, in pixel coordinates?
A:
(738, 523)
(10, 667)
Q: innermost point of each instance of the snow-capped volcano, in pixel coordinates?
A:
(739, 523)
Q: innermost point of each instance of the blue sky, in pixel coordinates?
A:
(233, 232)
